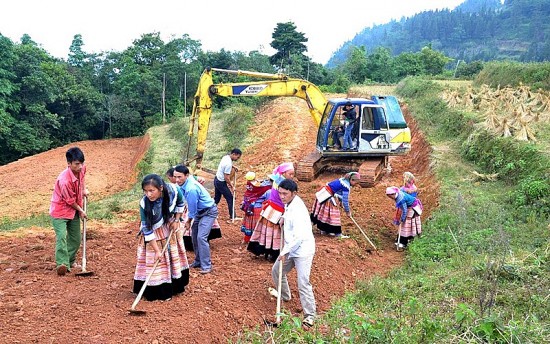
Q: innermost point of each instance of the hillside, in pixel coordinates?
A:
(476, 30)
(37, 305)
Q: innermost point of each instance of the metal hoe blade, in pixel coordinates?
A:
(133, 310)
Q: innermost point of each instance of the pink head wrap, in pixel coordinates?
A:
(282, 168)
(392, 190)
(350, 175)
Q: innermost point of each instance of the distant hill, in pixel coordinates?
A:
(475, 30)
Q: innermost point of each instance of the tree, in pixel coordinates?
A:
(76, 54)
(407, 64)
(355, 66)
(288, 42)
(380, 65)
(433, 61)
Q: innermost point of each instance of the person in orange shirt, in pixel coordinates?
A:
(66, 210)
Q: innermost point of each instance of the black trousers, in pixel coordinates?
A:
(221, 188)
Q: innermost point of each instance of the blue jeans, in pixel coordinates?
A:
(221, 188)
(202, 225)
(347, 136)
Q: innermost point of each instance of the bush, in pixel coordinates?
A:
(536, 75)
(413, 87)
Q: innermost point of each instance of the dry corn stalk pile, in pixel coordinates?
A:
(508, 111)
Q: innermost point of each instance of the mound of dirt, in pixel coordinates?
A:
(38, 306)
(26, 185)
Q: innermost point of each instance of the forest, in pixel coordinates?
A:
(475, 30)
(46, 102)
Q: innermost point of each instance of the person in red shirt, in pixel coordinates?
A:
(66, 210)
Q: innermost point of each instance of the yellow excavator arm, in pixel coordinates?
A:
(276, 85)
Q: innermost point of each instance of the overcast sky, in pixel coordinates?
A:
(107, 25)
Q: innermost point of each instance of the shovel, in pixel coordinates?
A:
(84, 272)
(133, 310)
(398, 238)
(234, 191)
(362, 232)
(279, 289)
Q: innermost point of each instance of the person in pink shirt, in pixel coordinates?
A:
(66, 210)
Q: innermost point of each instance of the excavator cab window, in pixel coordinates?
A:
(380, 121)
(367, 119)
(324, 136)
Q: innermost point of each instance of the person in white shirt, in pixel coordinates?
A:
(298, 249)
(222, 181)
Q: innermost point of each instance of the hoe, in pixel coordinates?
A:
(133, 310)
(84, 272)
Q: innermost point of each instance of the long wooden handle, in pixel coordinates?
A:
(280, 283)
(142, 290)
(234, 189)
(84, 235)
(362, 232)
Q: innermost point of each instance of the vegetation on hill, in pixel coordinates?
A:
(47, 102)
(476, 30)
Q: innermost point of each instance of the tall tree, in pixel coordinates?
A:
(288, 42)
(433, 61)
(76, 54)
(355, 66)
(380, 65)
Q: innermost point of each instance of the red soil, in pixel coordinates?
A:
(38, 306)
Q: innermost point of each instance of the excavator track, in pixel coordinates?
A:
(308, 168)
(371, 171)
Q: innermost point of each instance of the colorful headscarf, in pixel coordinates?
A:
(350, 175)
(250, 176)
(282, 168)
(392, 190)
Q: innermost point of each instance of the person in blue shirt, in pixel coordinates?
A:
(202, 212)
(407, 217)
(325, 212)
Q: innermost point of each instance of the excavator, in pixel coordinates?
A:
(379, 131)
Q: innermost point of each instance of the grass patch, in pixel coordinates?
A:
(38, 220)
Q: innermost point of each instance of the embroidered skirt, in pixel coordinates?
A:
(327, 217)
(411, 227)
(266, 239)
(171, 275)
(249, 223)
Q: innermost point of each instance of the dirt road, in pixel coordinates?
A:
(38, 306)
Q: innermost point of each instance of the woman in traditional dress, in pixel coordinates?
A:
(409, 209)
(266, 238)
(409, 185)
(160, 209)
(252, 203)
(325, 212)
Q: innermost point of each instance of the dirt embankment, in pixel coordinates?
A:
(38, 306)
(26, 185)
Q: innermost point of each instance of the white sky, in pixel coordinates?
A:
(107, 25)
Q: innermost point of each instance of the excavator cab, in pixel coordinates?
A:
(379, 132)
(370, 133)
